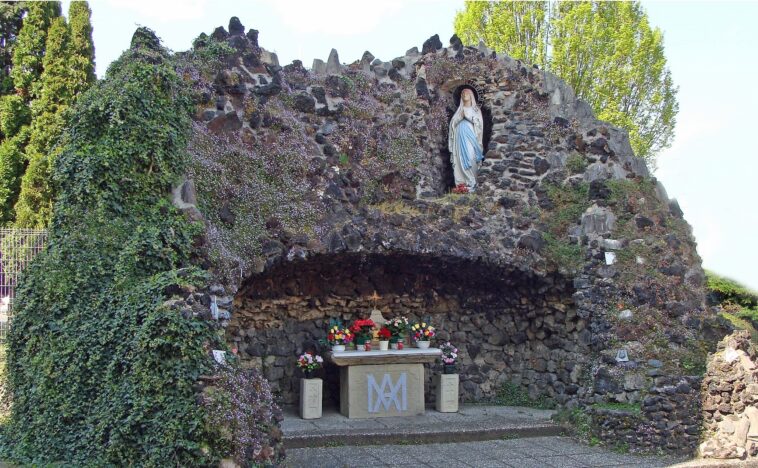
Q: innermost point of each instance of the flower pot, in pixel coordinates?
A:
(422, 344)
(360, 347)
(338, 347)
(448, 369)
(384, 345)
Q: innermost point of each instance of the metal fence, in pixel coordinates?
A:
(17, 248)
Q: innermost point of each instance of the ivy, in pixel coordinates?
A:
(102, 370)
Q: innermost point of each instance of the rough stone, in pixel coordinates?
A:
(432, 44)
(333, 66)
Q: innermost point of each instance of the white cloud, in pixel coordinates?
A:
(164, 11)
(336, 17)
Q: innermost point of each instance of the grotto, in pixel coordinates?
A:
(301, 194)
(513, 323)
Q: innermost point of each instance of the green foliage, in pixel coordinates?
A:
(739, 302)
(606, 51)
(726, 290)
(67, 71)
(82, 48)
(576, 163)
(510, 394)
(34, 207)
(101, 368)
(562, 253)
(11, 168)
(577, 421)
(614, 406)
(516, 28)
(615, 61)
(14, 114)
(11, 20)
(741, 323)
(569, 202)
(29, 49)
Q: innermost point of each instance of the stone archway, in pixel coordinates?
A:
(508, 324)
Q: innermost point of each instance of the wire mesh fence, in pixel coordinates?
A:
(17, 248)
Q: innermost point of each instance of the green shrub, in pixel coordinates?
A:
(511, 394)
(102, 371)
(578, 422)
(726, 290)
(576, 163)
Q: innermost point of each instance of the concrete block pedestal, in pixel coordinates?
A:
(310, 398)
(376, 384)
(446, 392)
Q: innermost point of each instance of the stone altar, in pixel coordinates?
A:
(375, 384)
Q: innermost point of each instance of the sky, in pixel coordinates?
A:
(710, 168)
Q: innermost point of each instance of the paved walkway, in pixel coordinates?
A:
(536, 452)
(469, 424)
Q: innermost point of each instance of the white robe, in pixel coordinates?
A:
(472, 117)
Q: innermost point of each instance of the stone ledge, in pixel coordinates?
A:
(404, 356)
(471, 423)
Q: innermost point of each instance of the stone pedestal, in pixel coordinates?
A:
(446, 392)
(383, 390)
(376, 384)
(310, 398)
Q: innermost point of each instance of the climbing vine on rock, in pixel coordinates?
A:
(101, 368)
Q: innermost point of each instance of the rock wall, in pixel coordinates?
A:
(317, 187)
(530, 335)
(730, 400)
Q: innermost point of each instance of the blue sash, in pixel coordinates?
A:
(466, 134)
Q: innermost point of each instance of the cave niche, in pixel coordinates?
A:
(508, 324)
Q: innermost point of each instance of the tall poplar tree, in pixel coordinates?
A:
(515, 28)
(607, 51)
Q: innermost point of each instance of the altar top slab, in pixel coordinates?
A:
(393, 356)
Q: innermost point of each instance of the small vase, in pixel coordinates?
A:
(360, 347)
(394, 346)
(338, 347)
(448, 369)
(367, 346)
(422, 344)
(383, 345)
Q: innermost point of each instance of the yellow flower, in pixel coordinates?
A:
(423, 325)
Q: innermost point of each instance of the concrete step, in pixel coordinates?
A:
(471, 423)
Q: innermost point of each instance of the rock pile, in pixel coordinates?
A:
(312, 184)
(730, 400)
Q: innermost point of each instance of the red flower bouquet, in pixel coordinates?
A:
(363, 330)
(460, 189)
(384, 334)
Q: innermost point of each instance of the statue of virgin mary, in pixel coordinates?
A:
(465, 140)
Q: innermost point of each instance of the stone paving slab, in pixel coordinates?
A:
(470, 423)
(537, 452)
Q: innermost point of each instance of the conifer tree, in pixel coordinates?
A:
(82, 57)
(35, 201)
(11, 20)
(29, 49)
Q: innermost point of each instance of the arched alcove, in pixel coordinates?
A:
(509, 324)
(450, 94)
